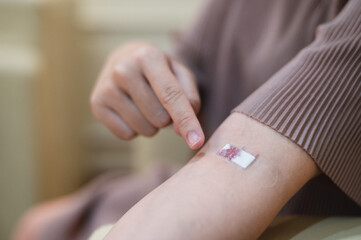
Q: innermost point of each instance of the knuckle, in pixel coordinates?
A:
(95, 104)
(121, 71)
(150, 132)
(108, 91)
(93, 100)
(124, 70)
(163, 120)
(122, 132)
(184, 121)
(170, 95)
(147, 53)
(126, 135)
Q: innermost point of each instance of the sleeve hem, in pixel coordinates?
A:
(354, 198)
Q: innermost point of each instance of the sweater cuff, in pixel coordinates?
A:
(315, 100)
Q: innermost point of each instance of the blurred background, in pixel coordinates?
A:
(50, 55)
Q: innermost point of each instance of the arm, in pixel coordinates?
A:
(211, 198)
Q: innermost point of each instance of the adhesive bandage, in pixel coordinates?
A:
(236, 155)
(265, 173)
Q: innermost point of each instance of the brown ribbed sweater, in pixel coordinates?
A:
(294, 66)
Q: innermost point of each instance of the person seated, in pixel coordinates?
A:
(290, 70)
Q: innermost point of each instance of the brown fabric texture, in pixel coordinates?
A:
(298, 63)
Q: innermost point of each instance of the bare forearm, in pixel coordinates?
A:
(211, 198)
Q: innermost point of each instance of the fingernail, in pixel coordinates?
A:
(193, 138)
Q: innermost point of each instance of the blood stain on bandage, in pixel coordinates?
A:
(229, 152)
(236, 155)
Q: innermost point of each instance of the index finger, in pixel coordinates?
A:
(156, 69)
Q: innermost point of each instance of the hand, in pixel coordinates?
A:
(141, 90)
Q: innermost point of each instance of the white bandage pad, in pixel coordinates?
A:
(236, 155)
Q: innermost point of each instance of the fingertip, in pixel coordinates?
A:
(197, 146)
(195, 139)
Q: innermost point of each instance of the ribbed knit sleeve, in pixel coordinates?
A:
(315, 100)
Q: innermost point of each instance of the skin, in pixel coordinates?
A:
(211, 198)
(141, 89)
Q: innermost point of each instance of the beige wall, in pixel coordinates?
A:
(19, 61)
(50, 55)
